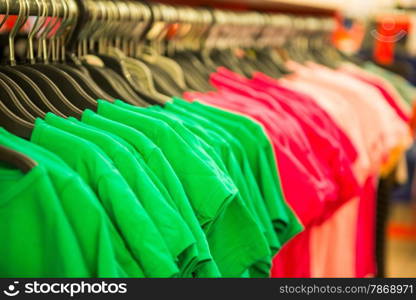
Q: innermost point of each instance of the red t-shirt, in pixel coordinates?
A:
(335, 157)
(322, 133)
(333, 149)
(300, 188)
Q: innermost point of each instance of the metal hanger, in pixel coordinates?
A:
(7, 94)
(43, 82)
(67, 85)
(30, 105)
(110, 80)
(135, 72)
(256, 47)
(157, 79)
(60, 58)
(13, 123)
(169, 76)
(25, 83)
(225, 43)
(22, 97)
(321, 44)
(275, 32)
(190, 51)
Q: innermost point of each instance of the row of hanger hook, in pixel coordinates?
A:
(124, 24)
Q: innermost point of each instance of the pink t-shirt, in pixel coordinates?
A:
(307, 146)
(342, 112)
(394, 130)
(335, 159)
(366, 211)
(305, 102)
(302, 190)
(289, 128)
(377, 120)
(390, 94)
(333, 149)
(333, 243)
(259, 97)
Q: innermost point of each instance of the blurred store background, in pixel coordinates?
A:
(385, 31)
(380, 31)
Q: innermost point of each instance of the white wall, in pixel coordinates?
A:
(351, 7)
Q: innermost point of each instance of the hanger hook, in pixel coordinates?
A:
(21, 19)
(125, 25)
(113, 23)
(72, 17)
(85, 31)
(46, 28)
(40, 21)
(136, 26)
(53, 21)
(64, 21)
(122, 29)
(55, 38)
(99, 24)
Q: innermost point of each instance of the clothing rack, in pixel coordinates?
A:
(278, 6)
(35, 7)
(157, 18)
(156, 12)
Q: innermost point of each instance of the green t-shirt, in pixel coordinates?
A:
(105, 255)
(38, 238)
(125, 211)
(137, 156)
(262, 161)
(248, 237)
(160, 166)
(190, 168)
(200, 124)
(246, 187)
(172, 227)
(191, 139)
(227, 163)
